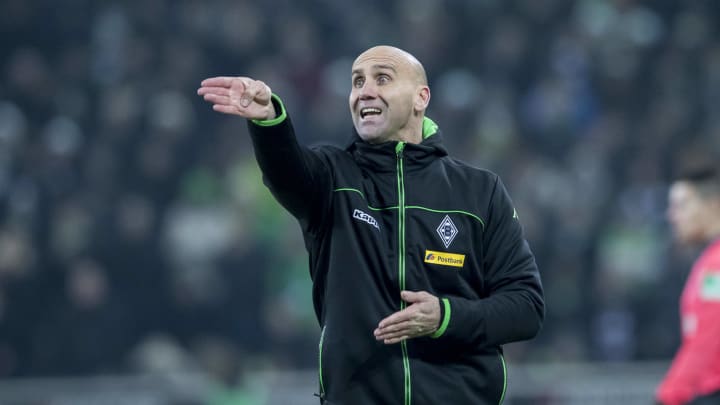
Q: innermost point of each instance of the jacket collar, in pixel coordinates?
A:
(383, 158)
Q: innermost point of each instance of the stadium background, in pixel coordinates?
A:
(142, 261)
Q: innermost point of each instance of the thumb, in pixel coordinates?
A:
(246, 98)
(411, 296)
(255, 91)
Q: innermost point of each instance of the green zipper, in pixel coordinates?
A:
(401, 260)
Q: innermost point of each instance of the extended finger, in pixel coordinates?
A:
(407, 333)
(220, 81)
(401, 316)
(392, 328)
(216, 99)
(222, 91)
(395, 335)
(395, 340)
(400, 333)
(226, 109)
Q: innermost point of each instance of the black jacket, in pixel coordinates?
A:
(378, 219)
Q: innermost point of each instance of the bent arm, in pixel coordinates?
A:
(514, 308)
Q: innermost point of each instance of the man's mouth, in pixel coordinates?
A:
(368, 111)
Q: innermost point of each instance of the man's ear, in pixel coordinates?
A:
(422, 98)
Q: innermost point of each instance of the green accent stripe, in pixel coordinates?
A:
(413, 207)
(394, 207)
(418, 207)
(445, 322)
(502, 360)
(320, 366)
(354, 190)
(280, 118)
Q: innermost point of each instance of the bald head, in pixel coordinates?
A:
(401, 58)
(389, 95)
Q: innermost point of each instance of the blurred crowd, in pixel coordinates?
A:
(136, 234)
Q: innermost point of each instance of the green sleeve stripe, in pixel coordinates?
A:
(445, 322)
(350, 189)
(354, 190)
(280, 118)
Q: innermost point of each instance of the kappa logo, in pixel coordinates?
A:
(447, 231)
(357, 214)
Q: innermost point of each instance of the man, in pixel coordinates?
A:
(694, 212)
(420, 270)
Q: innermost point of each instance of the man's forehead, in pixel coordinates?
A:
(390, 58)
(383, 55)
(376, 62)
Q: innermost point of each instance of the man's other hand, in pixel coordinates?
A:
(421, 317)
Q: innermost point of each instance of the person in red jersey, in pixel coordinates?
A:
(694, 212)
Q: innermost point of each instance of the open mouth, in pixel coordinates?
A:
(368, 111)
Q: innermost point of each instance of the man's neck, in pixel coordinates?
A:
(412, 133)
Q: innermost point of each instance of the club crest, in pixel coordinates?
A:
(447, 231)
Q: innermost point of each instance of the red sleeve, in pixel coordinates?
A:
(700, 355)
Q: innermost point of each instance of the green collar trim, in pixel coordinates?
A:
(429, 128)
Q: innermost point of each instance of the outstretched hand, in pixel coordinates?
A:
(420, 318)
(241, 96)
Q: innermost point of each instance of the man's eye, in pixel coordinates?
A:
(358, 82)
(383, 80)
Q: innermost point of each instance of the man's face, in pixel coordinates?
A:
(689, 212)
(385, 90)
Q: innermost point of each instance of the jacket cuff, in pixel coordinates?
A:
(279, 107)
(445, 312)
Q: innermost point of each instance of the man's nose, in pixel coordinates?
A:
(367, 91)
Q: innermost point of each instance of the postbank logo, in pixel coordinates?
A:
(444, 258)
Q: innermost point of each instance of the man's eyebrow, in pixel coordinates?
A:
(376, 67)
(388, 67)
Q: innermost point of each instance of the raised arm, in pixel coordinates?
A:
(297, 176)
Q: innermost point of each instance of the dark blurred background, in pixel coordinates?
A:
(136, 236)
